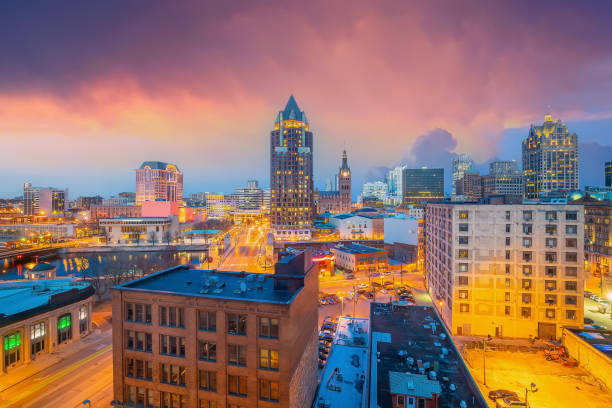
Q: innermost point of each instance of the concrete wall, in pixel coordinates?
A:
(594, 361)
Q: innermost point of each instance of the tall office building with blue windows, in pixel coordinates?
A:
(291, 183)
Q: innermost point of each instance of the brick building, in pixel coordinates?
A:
(194, 338)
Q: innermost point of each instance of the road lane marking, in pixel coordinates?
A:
(54, 377)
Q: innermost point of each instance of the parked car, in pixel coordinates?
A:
(588, 320)
(322, 357)
(349, 276)
(362, 286)
(587, 294)
(323, 350)
(509, 402)
(497, 394)
(369, 295)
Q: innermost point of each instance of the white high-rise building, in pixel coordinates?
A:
(506, 270)
(461, 164)
(395, 184)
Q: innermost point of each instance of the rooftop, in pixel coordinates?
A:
(600, 339)
(412, 340)
(156, 165)
(189, 281)
(20, 299)
(343, 380)
(356, 249)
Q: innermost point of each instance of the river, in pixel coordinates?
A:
(136, 263)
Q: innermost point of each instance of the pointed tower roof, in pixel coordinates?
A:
(291, 112)
(344, 161)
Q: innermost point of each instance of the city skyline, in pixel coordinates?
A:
(142, 102)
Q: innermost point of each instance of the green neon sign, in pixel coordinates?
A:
(63, 322)
(12, 340)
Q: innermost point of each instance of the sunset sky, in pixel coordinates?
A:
(90, 90)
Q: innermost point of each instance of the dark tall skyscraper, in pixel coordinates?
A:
(422, 185)
(609, 174)
(550, 159)
(291, 183)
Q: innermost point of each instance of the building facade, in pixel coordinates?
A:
(421, 185)
(141, 230)
(158, 181)
(86, 202)
(469, 186)
(550, 159)
(506, 270)
(219, 206)
(40, 318)
(377, 189)
(462, 164)
(361, 259)
(597, 236)
(98, 212)
(192, 338)
(358, 226)
(608, 174)
(508, 185)
(44, 201)
(503, 167)
(291, 176)
(395, 184)
(249, 198)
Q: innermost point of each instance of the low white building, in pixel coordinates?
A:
(140, 230)
(353, 226)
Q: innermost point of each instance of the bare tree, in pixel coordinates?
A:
(98, 284)
(152, 237)
(167, 237)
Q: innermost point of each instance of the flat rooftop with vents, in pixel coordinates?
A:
(344, 379)
(411, 353)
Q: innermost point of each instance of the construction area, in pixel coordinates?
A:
(511, 364)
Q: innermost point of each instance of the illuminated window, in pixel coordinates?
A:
(64, 328)
(268, 390)
(208, 380)
(12, 348)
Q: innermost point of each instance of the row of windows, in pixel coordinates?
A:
(207, 320)
(570, 314)
(528, 215)
(550, 229)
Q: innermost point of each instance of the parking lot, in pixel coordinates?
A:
(521, 363)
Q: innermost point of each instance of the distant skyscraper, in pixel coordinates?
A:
(609, 174)
(158, 181)
(395, 183)
(503, 167)
(291, 181)
(550, 159)
(461, 164)
(422, 185)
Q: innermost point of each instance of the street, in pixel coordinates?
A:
(591, 310)
(248, 245)
(79, 371)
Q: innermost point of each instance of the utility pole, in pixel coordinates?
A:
(484, 357)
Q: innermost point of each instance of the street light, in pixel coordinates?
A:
(484, 357)
(527, 390)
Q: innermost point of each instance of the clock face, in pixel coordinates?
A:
(345, 173)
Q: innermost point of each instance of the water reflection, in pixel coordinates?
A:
(128, 263)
